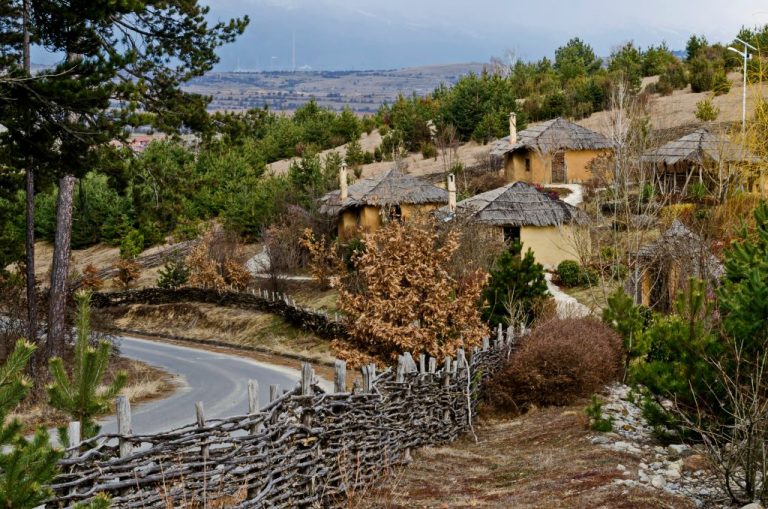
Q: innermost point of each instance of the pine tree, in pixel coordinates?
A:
(515, 282)
(82, 396)
(743, 297)
(26, 465)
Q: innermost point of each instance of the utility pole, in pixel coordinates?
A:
(745, 55)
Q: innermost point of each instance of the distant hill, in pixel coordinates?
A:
(362, 91)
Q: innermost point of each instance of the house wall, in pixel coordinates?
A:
(550, 244)
(577, 163)
(369, 218)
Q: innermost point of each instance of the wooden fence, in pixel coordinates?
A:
(324, 325)
(306, 448)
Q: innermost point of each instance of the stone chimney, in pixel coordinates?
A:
(512, 129)
(451, 192)
(343, 191)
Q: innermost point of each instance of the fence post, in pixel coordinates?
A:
(306, 379)
(432, 365)
(73, 434)
(400, 374)
(422, 363)
(499, 336)
(486, 343)
(274, 392)
(124, 425)
(201, 424)
(253, 403)
(340, 376)
(510, 334)
(446, 380)
(460, 359)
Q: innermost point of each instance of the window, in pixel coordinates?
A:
(511, 234)
(527, 164)
(394, 213)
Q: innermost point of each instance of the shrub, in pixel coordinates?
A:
(128, 271)
(681, 211)
(569, 273)
(428, 150)
(559, 362)
(595, 413)
(174, 274)
(132, 245)
(706, 111)
(517, 284)
(721, 84)
(91, 279)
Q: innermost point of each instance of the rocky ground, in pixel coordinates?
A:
(677, 469)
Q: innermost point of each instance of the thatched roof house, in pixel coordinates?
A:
(679, 161)
(520, 212)
(518, 204)
(369, 202)
(664, 266)
(552, 136)
(553, 151)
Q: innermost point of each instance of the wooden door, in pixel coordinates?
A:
(559, 173)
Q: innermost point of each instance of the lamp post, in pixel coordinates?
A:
(744, 54)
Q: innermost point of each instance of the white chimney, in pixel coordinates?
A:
(512, 129)
(343, 192)
(452, 192)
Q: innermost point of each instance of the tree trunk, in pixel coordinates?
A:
(60, 268)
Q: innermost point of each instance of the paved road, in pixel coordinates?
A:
(219, 380)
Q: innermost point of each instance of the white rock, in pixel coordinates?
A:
(753, 505)
(658, 482)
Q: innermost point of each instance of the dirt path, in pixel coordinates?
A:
(543, 459)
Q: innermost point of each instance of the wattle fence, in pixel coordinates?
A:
(306, 448)
(322, 324)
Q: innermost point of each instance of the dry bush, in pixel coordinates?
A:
(91, 279)
(560, 361)
(128, 271)
(407, 300)
(480, 183)
(218, 262)
(284, 246)
(477, 250)
(325, 259)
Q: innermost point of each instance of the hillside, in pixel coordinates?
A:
(679, 108)
(362, 91)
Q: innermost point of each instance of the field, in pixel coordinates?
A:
(362, 91)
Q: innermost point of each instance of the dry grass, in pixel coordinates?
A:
(680, 107)
(145, 383)
(230, 325)
(543, 459)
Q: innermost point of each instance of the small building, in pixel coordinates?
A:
(370, 202)
(688, 159)
(556, 151)
(518, 212)
(664, 266)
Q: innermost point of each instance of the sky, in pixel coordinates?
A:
(388, 34)
(392, 34)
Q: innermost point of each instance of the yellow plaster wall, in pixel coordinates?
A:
(550, 245)
(576, 161)
(514, 169)
(369, 218)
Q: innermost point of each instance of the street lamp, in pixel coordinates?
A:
(744, 54)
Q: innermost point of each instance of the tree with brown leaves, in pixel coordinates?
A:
(406, 299)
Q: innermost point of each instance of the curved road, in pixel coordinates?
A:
(219, 380)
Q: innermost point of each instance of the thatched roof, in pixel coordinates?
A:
(680, 243)
(551, 136)
(390, 188)
(517, 204)
(697, 148)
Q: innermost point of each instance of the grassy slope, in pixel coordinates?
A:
(543, 459)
